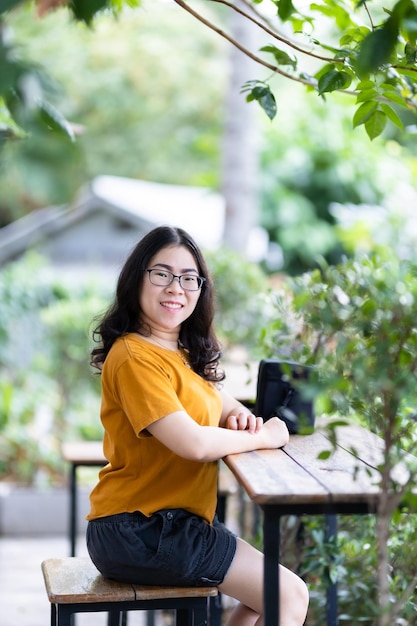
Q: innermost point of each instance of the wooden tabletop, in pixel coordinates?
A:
(90, 453)
(84, 452)
(294, 475)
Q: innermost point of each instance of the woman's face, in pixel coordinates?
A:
(166, 308)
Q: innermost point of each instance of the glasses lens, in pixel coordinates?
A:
(190, 282)
(160, 277)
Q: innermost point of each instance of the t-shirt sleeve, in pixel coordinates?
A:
(145, 392)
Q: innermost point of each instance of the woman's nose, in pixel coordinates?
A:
(175, 285)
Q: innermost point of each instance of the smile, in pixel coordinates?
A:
(172, 305)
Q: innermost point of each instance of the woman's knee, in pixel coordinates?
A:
(303, 599)
(244, 582)
(294, 598)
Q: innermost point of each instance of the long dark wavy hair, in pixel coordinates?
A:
(124, 315)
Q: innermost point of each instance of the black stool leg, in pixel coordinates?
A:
(65, 615)
(216, 610)
(53, 615)
(184, 617)
(200, 615)
(150, 618)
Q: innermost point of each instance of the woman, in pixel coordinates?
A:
(167, 422)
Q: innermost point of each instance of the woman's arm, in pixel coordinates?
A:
(236, 416)
(181, 434)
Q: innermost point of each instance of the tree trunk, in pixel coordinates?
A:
(240, 143)
(383, 522)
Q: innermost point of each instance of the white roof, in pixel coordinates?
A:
(198, 210)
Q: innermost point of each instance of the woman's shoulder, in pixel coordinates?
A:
(132, 346)
(132, 355)
(128, 345)
(128, 353)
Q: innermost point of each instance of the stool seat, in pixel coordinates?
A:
(74, 585)
(75, 579)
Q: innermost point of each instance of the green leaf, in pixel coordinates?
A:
(339, 53)
(8, 76)
(375, 124)
(366, 94)
(324, 455)
(281, 57)
(55, 120)
(334, 424)
(268, 104)
(376, 49)
(285, 9)
(6, 5)
(392, 115)
(333, 80)
(85, 10)
(407, 14)
(365, 84)
(334, 11)
(364, 113)
(393, 96)
(404, 71)
(261, 92)
(410, 52)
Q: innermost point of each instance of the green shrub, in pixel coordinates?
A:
(241, 304)
(47, 391)
(356, 323)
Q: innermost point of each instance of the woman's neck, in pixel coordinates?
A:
(169, 342)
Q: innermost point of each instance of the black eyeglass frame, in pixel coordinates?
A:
(200, 279)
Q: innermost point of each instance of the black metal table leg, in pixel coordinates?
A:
(73, 509)
(271, 526)
(216, 602)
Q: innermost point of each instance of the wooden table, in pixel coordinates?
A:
(294, 481)
(79, 454)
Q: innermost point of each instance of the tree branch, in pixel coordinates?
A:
(409, 68)
(245, 51)
(309, 82)
(274, 34)
(406, 594)
(365, 4)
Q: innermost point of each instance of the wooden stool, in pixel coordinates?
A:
(90, 454)
(74, 585)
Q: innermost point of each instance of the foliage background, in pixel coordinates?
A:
(145, 92)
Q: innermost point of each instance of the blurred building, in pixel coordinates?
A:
(107, 219)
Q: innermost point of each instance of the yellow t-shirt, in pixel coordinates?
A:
(141, 383)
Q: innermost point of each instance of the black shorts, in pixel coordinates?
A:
(172, 547)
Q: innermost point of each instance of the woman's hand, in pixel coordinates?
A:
(244, 421)
(181, 434)
(276, 432)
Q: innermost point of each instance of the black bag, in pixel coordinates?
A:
(278, 394)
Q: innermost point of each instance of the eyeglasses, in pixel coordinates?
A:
(162, 278)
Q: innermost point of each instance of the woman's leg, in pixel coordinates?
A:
(244, 581)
